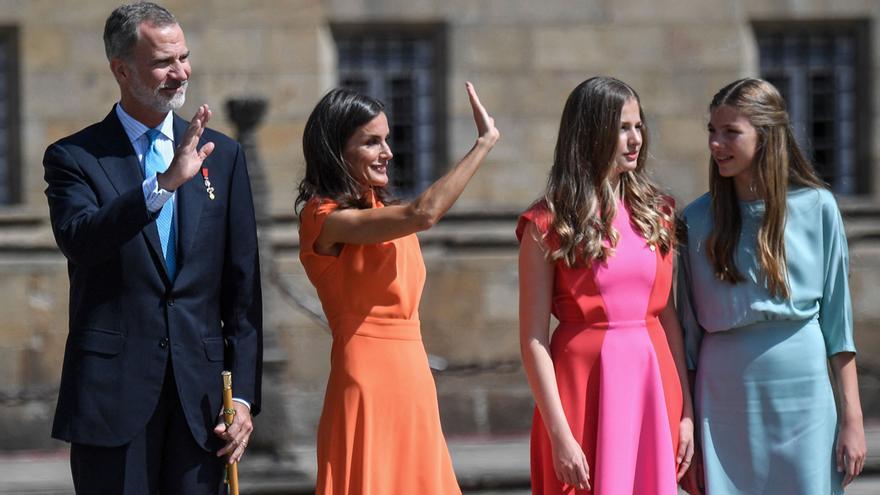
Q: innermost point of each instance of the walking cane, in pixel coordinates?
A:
(228, 416)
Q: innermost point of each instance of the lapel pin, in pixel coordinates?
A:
(208, 186)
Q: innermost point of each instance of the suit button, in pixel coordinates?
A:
(171, 302)
(163, 342)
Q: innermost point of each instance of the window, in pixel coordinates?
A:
(820, 69)
(10, 162)
(404, 67)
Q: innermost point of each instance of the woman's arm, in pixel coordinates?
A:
(669, 321)
(535, 296)
(851, 449)
(375, 225)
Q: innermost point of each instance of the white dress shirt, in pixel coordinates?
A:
(154, 197)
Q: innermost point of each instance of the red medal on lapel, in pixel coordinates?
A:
(208, 186)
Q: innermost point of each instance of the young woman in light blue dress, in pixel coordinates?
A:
(764, 300)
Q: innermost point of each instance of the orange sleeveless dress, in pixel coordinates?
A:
(379, 432)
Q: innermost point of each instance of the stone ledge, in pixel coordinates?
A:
(27, 231)
(22, 216)
(463, 232)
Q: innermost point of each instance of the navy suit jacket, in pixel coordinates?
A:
(127, 318)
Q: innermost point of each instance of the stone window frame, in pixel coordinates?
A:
(854, 155)
(431, 134)
(11, 188)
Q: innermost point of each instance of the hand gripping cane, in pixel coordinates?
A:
(228, 416)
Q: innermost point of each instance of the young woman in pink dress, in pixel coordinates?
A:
(613, 413)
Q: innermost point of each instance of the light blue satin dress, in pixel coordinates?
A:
(765, 408)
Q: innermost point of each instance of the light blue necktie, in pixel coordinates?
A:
(153, 164)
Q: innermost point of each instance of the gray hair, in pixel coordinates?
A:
(121, 29)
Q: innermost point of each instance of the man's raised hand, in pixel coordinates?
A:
(188, 158)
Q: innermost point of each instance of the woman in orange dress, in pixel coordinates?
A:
(379, 432)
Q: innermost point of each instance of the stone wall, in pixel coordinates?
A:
(524, 59)
(34, 329)
(523, 56)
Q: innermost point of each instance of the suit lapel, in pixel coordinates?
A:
(124, 171)
(119, 163)
(191, 198)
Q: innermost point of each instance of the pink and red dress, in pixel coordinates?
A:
(617, 380)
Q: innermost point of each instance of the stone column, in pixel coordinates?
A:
(247, 114)
(272, 431)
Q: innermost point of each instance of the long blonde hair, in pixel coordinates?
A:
(579, 194)
(778, 164)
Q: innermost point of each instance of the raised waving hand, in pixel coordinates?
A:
(188, 157)
(485, 123)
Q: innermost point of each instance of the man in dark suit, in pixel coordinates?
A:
(156, 220)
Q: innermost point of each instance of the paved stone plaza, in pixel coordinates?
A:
(497, 467)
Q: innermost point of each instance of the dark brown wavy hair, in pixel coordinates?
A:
(778, 164)
(331, 124)
(579, 194)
